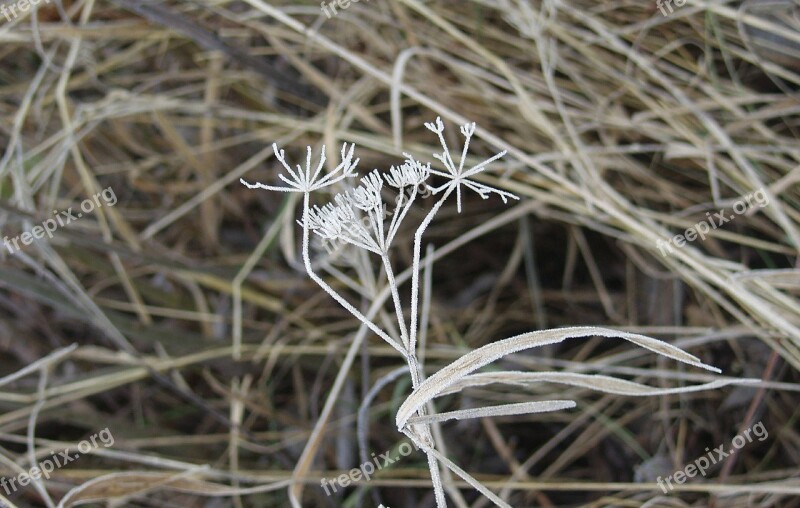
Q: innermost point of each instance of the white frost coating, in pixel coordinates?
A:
(356, 217)
(304, 180)
(410, 174)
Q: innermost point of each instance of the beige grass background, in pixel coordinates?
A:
(209, 354)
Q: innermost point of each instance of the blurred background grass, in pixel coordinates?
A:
(200, 340)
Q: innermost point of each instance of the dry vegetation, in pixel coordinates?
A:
(211, 357)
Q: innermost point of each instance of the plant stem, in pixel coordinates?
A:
(398, 308)
(433, 464)
(336, 296)
(415, 266)
(398, 217)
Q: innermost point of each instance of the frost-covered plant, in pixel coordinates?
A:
(358, 217)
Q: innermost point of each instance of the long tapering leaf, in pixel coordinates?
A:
(597, 382)
(485, 355)
(521, 408)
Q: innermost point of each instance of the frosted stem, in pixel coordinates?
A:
(398, 308)
(336, 296)
(415, 267)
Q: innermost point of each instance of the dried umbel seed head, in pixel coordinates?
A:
(309, 180)
(411, 174)
(324, 222)
(458, 175)
(341, 222)
(367, 196)
(331, 221)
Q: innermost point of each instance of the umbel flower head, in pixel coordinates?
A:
(330, 221)
(306, 181)
(459, 176)
(411, 174)
(357, 216)
(341, 222)
(367, 196)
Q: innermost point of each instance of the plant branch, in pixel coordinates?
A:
(415, 266)
(336, 296)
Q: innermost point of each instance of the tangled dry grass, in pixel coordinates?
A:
(227, 378)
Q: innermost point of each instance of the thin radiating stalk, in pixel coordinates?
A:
(394, 226)
(336, 296)
(398, 307)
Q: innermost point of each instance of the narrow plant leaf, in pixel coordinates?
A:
(597, 382)
(485, 355)
(521, 408)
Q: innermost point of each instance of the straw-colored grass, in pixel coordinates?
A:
(181, 317)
